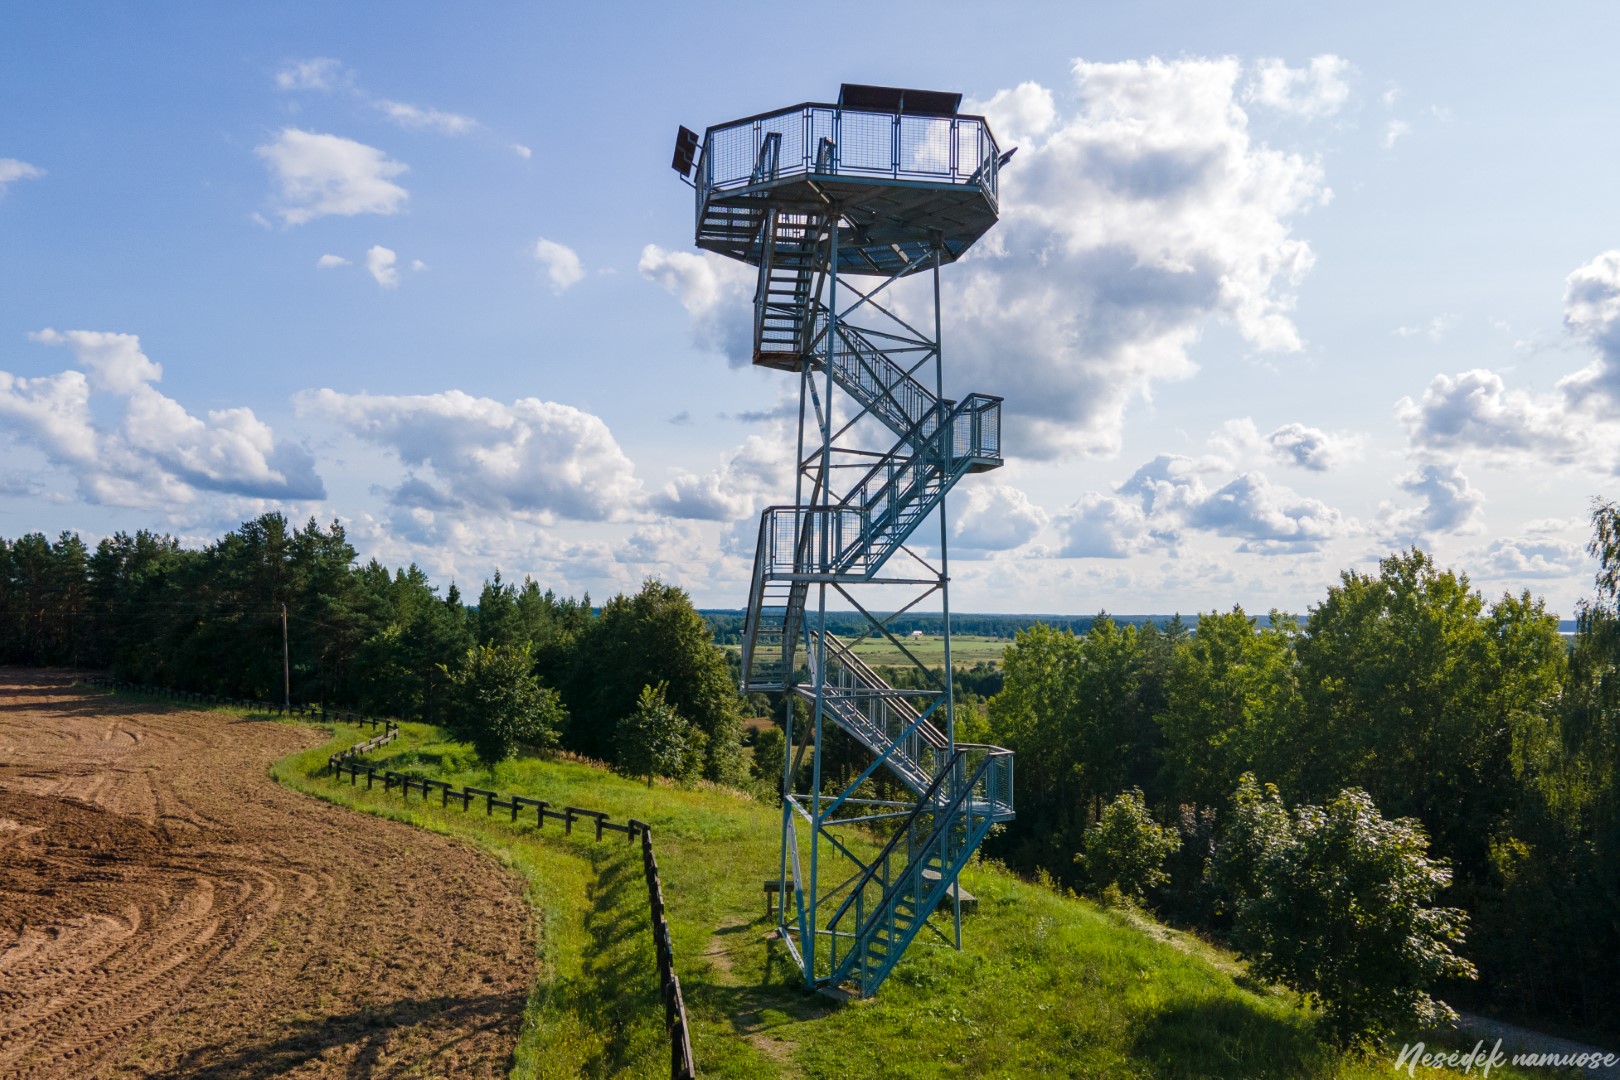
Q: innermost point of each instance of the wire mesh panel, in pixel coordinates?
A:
(926, 145)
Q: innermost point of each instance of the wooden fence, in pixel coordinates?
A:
(682, 1066)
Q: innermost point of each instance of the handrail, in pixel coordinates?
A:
(831, 140)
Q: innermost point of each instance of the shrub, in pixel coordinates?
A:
(1337, 903)
(1125, 848)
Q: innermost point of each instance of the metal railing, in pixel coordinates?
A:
(826, 140)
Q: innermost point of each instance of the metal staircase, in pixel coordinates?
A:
(892, 185)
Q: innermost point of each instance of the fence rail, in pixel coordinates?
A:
(682, 1065)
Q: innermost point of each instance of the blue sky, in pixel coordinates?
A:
(1275, 292)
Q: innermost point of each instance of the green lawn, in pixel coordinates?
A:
(1045, 986)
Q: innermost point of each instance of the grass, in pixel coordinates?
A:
(1045, 984)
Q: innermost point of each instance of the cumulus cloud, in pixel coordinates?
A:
(561, 263)
(12, 169)
(1311, 448)
(532, 457)
(1318, 90)
(1475, 411)
(416, 118)
(522, 151)
(1592, 315)
(1447, 503)
(716, 292)
(328, 262)
(380, 264)
(750, 477)
(1268, 518)
(320, 73)
(1516, 558)
(1100, 526)
(1128, 224)
(1394, 131)
(317, 175)
(115, 361)
(995, 517)
(158, 454)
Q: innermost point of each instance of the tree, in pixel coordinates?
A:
(1233, 700)
(653, 637)
(1125, 848)
(1338, 903)
(499, 703)
(656, 740)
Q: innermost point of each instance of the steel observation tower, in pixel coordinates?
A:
(836, 204)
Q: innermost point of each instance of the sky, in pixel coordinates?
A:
(1275, 291)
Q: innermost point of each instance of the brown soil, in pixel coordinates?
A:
(166, 909)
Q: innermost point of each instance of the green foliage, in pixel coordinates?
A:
(769, 746)
(1125, 848)
(654, 637)
(499, 703)
(1338, 903)
(1233, 700)
(656, 740)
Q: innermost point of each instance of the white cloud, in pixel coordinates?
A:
(1435, 329)
(532, 457)
(995, 517)
(416, 118)
(716, 292)
(158, 455)
(1127, 226)
(380, 262)
(320, 73)
(1517, 558)
(1391, 94)
(1394, 131)
(1292, 444)
(1269, 518)
(1474, 411)
(562, 264)
(754, 474)
(417, 265)
(327, 262)
(319, 174)
(115, 361)
(522, 151)
(1024, 112)
(1311, 448)
(12, 169)
(1318, 90)
(1449, 503)
(1592, 315)
(1100, 526)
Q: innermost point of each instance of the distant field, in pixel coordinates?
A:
(966, 650)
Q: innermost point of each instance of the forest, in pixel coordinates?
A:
(1404, 700)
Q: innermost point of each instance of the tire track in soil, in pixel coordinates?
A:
(166, 909)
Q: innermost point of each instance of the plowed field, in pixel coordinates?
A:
(166, 909)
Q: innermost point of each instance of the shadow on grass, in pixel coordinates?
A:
(1230, 1038)
(371, 1031)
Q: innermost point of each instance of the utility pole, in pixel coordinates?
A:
(286, 665)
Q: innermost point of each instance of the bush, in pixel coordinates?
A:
(1125, 848)
(499, 703)
(1337, 903)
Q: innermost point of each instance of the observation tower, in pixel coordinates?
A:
(838, 205)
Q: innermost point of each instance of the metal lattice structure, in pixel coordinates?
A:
(835, 204)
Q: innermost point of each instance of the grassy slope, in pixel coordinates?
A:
(1045, 985)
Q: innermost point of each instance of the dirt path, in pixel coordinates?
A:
(166, 909)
